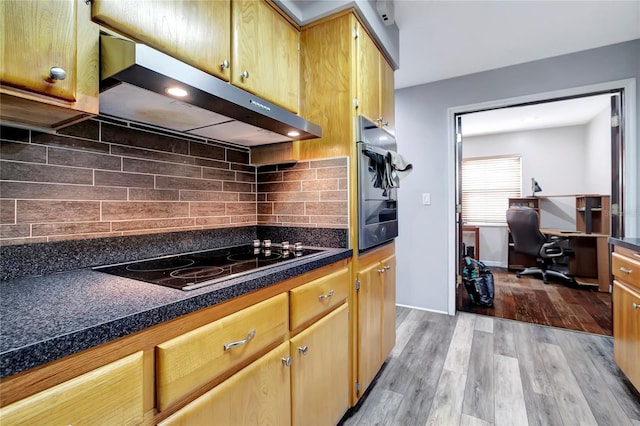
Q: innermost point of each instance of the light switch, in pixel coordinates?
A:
(426, 198)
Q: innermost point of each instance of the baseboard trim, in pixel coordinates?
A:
(422, 309)
(494, 263)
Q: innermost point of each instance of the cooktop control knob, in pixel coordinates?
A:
(297, 246)
(266, 243)
(285, 245)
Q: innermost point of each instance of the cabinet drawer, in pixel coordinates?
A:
(109, 395)
(311, 300)
(625, 269)
(193, 359)
(257, 394)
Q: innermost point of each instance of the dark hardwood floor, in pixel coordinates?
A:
(528, 299)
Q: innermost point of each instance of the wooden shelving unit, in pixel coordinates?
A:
(592, 214)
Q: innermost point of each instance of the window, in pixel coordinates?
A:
(487, 184)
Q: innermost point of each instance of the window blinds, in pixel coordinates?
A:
(487, 184)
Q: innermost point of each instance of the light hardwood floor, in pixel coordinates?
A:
(477, 370)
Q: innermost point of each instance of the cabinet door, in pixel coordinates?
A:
(196, 32)
(259, 394)
(368, 77)
(109, 395)
(388, 306)
(265, 53)
(320, 371)
(369, 325)
(39, 35)
(387, 95)
(626, 330)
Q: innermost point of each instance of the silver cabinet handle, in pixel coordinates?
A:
(382, 271)
(634, 305)
(57, 73)
(303, 349)
(224, 64)
(325, 296)
(626, 271)
(244, 74)
(228, 346)
(286, 361)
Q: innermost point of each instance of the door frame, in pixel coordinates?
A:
(630, 157)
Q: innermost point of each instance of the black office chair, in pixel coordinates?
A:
(524, 226)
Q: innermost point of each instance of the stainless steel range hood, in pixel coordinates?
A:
(134, 80)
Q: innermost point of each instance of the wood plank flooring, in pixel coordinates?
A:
(478, 370)
(528, 299)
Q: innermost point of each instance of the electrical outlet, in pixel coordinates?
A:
(426, 198)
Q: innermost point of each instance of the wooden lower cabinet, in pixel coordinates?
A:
(109, 395)
(256, 395)
(625, 268)
(376, 300)
(320, 371)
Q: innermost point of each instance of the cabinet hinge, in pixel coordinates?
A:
(357, 285)
(356, 103)
(355, 32)
(357, 388)
(458, 208)
(458, 137)
(458, 279)
(615, 121)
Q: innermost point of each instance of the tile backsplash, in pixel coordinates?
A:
(107, 178)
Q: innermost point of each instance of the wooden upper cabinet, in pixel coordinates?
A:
(375, 83)
(265, 58)
(49, 62)
(387, 95)
(196, 32)
(368, 77)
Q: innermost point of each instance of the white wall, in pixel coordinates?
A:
(597, 174)
(424, 245)
(539, 151)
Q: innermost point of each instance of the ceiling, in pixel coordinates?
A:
(445, 39)
(570, 112)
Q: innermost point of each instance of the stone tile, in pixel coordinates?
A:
(326, 208)
(208, 196)
(43, 173)
(198, 208)
(42, 230)
(88, 129)
(7, 211)
(89, 160)
(214, 152)
(237, 156)
(141, 139)
(218, 174)
(294, 196)
(140, 194)
(294, 166)
(166, 182)
(15, 231)
(130, 225)
(279, 187)
(160, 168)
(69, 142)
(213, 221)
(243, 168)
(333, 195)
(332, 172)
(147, 154)
(293, 219)
(237, 187)
(14, 134)
(234, 209)
(299, 175)
(17, 151)
(245, 177)
(244, 196)
(112, 210)
(27, 190)
(214, 164)
(320, 185)
(41, 211)
(265, 208)
(288, 208)
(270, 177)
(330, 162)
(136, 180)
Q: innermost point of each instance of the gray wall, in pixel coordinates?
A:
(424, 244)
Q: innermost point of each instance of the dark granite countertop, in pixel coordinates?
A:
(52, 316)
(632, 243)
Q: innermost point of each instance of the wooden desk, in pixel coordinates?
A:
(591, 258)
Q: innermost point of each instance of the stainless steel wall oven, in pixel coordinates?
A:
(377, 185)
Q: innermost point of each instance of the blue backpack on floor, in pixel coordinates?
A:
(478, 280)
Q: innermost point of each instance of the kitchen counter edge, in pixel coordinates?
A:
(125, 307)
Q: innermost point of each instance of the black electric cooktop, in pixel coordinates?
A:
(198, 269)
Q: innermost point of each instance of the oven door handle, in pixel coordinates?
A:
(372, 148)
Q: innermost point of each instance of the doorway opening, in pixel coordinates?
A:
(565, 149)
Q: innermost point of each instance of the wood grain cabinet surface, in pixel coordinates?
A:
(625, 265)
(190, 361)
(196, 32)
(109, 395)
(376, 301)
(259, 394)
(49, 66)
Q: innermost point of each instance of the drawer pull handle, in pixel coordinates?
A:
(626, 271)
(325, 296)
(303, 349)
(286, 361)
(228, 346)
(634, 305)
(387, 267)
(382, 271)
